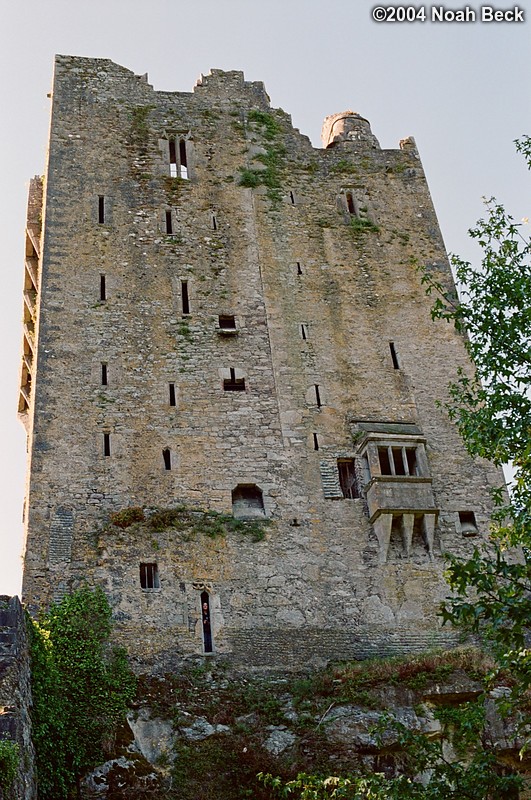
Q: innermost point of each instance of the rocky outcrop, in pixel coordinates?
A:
(207, 731)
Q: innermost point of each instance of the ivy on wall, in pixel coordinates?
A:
(81, 689)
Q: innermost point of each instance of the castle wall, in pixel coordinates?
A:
(15, 695)
(317, 265)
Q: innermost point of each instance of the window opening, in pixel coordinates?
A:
(299, 268)
(347, 478)
(394, 356)
(234, 384)
(103, 288)
(304, 331)
(292, 198)
(149, 576)
(166, 455)
(315, 442)
(214, 222)
(173, 159)
(106, 444)
(184, 297)
(206, 624)
(103, 373)
(247, 501)
(227, 321)
(169, 224)
(171, 387)
(317, 395)
(183, 159)
(398, 461)
(350, 203)
(467, 520)
(411, 458)
(101, 209)
(385, 463)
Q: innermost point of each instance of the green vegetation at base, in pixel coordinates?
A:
(81, 689)
(247, 708)
(9, 762)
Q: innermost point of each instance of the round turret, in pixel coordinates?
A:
(347, 127)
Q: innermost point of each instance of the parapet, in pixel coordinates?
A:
(232, 83)
(348, 126)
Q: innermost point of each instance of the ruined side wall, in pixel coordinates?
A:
(15, 693)
(278, 257)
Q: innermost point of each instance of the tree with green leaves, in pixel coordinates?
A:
(492, 410)
(81, 688)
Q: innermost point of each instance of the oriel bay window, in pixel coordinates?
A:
(399, 490)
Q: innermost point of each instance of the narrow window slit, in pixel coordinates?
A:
(214, 222)
(173, 152)
(394, 355)
(292, 198)
(304, 331)
(299, 268)
(106, 444)
(317, 395)
(101, 209)
(166, 455)
(183, 159)
(206, 624)
(315, 442)
(173, 159)
(103, 288)
(171, 387)
(169, 224)
(350, 203)
(103, 373)
(184, 297)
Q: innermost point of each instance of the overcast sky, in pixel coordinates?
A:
(462, 90)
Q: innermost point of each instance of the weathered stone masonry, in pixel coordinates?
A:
(218, 312)
(15, 694)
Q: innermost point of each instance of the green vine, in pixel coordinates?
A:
(139, 125)
(81, 689)
(361, 225)
(9, 762)
(192, 522)
(207, 523)
(269, 125)
(271, 159)
(127, 516)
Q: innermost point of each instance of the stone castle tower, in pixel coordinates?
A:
(221, 318)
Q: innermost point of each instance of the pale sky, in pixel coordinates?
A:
(461, 89)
